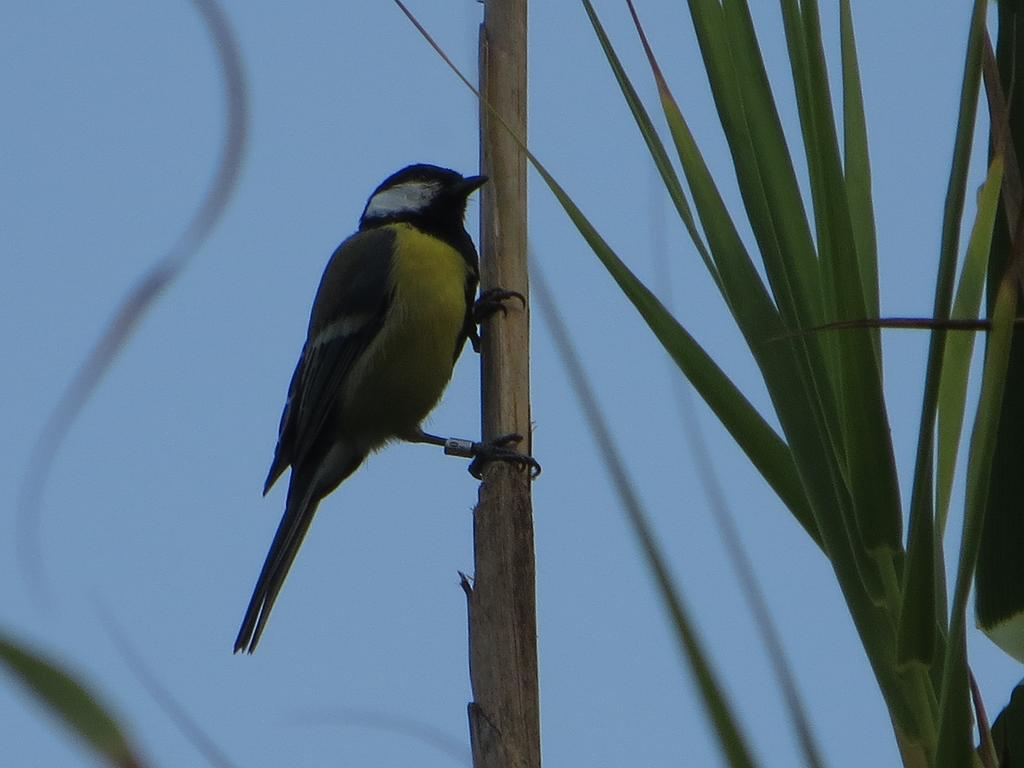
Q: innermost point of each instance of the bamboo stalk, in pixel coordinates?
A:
(504, 716)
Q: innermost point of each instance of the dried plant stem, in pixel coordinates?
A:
(504, 716)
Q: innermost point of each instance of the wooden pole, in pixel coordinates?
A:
(504, 716)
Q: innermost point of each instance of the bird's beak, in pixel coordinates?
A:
(469, 185)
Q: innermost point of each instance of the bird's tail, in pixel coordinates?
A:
(304, 495)
(287, 540)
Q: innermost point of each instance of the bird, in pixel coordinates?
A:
(391, 316)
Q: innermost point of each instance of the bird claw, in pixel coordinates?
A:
(498, 450)
(492, 301)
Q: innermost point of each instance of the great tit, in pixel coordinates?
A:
(390, 318)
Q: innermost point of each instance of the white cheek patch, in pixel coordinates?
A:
(405, 198)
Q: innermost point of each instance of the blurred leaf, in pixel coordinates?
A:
(189, 726)
(70, 701)
(753, 435)
(717, 707)
(750, 585)
(141, 298)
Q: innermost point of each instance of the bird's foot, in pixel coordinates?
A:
(491, 301)
(492, 450)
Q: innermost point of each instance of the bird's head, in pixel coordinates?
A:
(423, 194)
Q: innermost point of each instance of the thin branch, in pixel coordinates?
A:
(138, 302)
(200, 739)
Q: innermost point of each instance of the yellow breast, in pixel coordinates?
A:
(408, 365)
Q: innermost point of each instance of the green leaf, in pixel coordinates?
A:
(654, 143)
(924, 586)
(70, 701)
(752, 433)
(786, 362)
(799, 400)
(774, 206)
(954, 744)
(777, 215)
(999, 582)
(754, 308)
(918, 619)
(857, 166)
(870, 462)
(960, 346)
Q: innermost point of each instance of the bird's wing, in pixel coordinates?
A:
(348, 312)
(463, 243)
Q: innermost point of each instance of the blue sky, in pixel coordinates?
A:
(113, 119)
